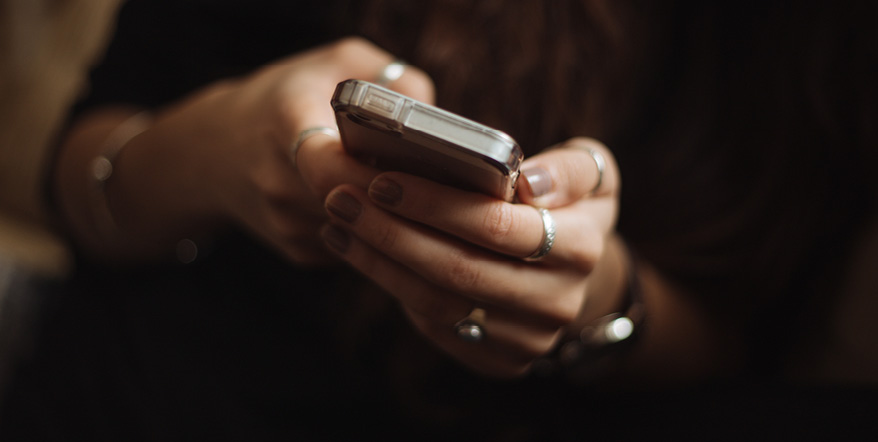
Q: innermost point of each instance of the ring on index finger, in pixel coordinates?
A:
(308, 133)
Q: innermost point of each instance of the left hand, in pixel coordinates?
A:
(442, 252)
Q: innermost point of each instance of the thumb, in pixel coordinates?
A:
(565, 173)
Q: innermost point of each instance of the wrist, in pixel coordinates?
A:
(599, 345)
(102, 168)
(157, 199)
(610, 323)
(108, 190)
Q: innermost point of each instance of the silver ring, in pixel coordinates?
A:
(548, 236)
(308, 133)
(469, 329)
(391, 73)
(602, 164)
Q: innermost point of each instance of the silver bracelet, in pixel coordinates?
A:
(102, 167)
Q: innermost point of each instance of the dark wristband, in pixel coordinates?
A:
(596, 349)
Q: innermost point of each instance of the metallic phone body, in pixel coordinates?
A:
(395, 132)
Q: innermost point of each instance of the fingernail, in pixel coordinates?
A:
(336, 239)
(344, 206)
(386, 191)
(539, 180)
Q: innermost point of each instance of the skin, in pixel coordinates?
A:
(442, 252)
(220, 157)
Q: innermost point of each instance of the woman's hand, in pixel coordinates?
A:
(223, 155)
(255, 180)
(443, 252)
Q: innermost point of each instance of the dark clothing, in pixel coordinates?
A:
(242, 346)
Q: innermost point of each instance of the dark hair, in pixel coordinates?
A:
(527, 68)
(744, 131)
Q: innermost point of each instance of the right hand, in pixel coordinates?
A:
(441, 252)
(235, 136)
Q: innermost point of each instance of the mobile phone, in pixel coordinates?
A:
(393, 132)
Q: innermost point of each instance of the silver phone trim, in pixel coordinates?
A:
(402, 113)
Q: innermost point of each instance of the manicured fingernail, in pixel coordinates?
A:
(336, 239)
(539, 180)
(344, 206)
(386, 191)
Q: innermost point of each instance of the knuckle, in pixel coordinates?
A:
(586, 142)
(350, 47)
(565, 309)
(584, 259)
(566, 312)
(419, 84)
(420, 79)
(462, 275)
(585, 166)
(287, 108)
(270, 185)
(386, 238)
(500, 222)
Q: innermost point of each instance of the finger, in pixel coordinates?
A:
(515, 333)
(457, 266)
(578, 168)
(512, 340)
(482, 358)
(493, 355)
(324, 165)
(416, 84)
(522, 334)
(417, 294)
(511, 229)
(309, 103)
(289, 230)
(356, 57)
(348, 58)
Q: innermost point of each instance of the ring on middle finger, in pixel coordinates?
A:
(548, 239)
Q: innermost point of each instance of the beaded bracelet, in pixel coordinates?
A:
(101, 171)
